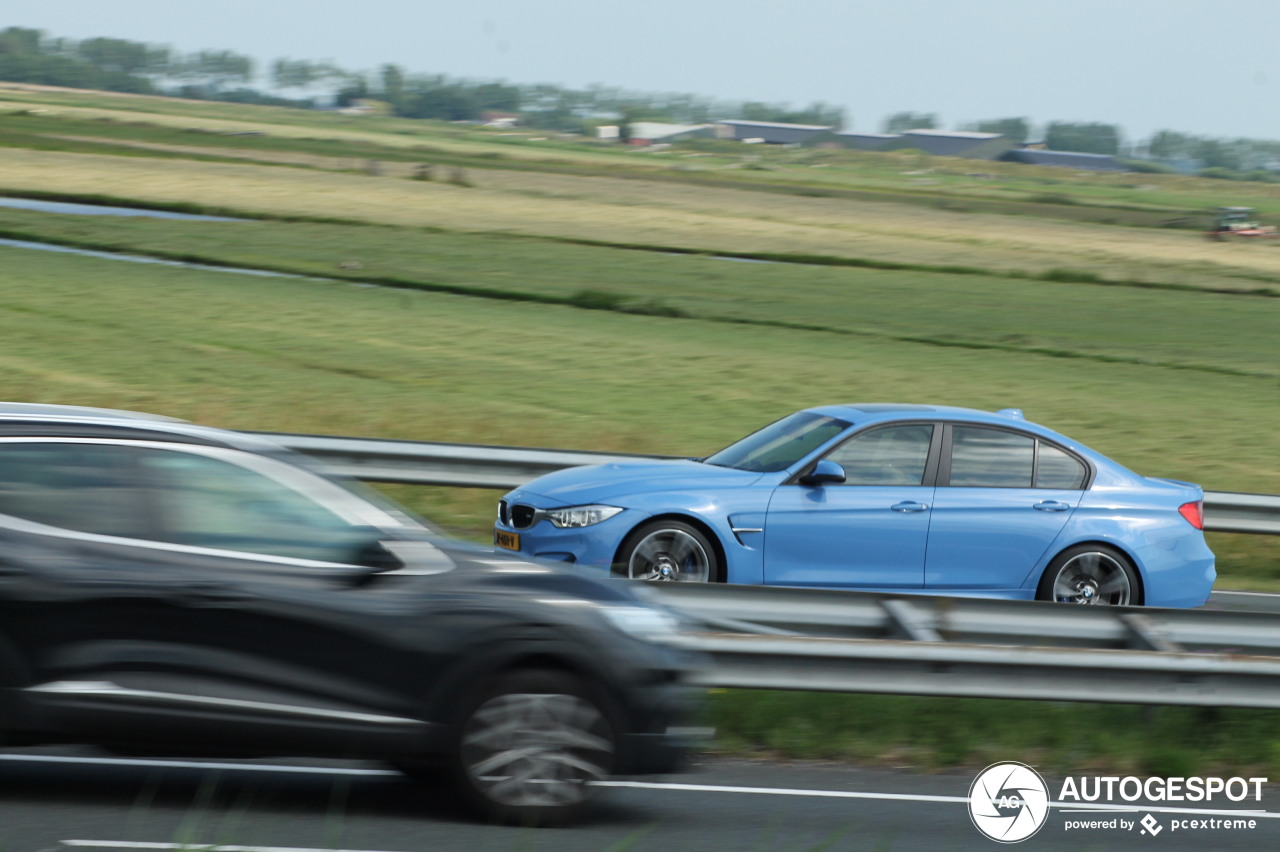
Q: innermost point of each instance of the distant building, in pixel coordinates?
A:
(1065, 159)
(366, 106)
(769, 132)
(649, 132)
(941, 143)
(863, 141)
(955, 143)
(493, 118)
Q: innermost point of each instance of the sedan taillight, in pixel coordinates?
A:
(1194, 513)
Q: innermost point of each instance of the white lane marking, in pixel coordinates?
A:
(635, 785)
(190, 847)
(915, 797)
(781, 791)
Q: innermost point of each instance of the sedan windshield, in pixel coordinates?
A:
(780, 444)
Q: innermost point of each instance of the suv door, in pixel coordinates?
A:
(1003, 496)
(186, 593)
(869, 531)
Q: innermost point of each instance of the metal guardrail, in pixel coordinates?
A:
(838, 614)
(481, 466)
(1226, 511)
(429, 463)
(982, 671)
(824, 640)
(838, 641)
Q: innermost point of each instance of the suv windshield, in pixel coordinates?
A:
(780, 444)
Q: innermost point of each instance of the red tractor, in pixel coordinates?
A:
(1238, 222)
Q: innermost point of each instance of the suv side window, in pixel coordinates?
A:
(210, 502)
(893, 455)
(85, 487)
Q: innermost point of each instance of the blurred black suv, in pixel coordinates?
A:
(167, 588)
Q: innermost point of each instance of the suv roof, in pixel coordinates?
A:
(21, 419)
(28, 409)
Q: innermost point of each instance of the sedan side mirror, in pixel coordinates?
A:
(825, 472)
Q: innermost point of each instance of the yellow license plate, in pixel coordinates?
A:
(509, 540)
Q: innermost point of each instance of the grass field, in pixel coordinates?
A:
(305, 356)
(927, 732)
(1150, 344)
(662, 214)
(1191, 329)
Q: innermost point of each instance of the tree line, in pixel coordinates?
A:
(1209, 153)
(29, 56)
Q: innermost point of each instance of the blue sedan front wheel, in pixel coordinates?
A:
(669, 552)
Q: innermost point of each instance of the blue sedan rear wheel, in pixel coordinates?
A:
(669, 552)
(1090, 574)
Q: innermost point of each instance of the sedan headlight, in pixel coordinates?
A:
(573, 517)
(642, 622)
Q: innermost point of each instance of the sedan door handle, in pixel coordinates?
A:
(1051, 506)
(909, 506)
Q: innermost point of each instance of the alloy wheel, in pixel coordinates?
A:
(1093, 578)
(536, 750)
(670, 556)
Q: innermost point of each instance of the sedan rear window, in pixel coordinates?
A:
(1057, 469)
(991, 458)
(781, 444)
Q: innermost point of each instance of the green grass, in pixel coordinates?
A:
(291, 355)
(970, 732)
(1201, 332)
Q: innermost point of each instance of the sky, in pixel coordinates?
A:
(1206, 68)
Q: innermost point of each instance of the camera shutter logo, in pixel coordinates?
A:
(1008, 802)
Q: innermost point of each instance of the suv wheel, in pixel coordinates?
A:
(530, 745)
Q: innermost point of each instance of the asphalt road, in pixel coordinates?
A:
(56, 802)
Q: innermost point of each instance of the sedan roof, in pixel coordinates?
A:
(860, 413)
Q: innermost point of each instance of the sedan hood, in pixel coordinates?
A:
(603, 483)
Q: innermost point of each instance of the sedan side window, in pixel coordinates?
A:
(209, 502)
(991, 458)
(1057, 469)
(84, 487)
(894, 455)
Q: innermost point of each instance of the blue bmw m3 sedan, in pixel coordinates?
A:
(881, 497)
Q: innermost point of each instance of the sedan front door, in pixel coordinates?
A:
(869, 531)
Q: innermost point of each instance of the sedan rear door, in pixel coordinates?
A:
(1003, 497)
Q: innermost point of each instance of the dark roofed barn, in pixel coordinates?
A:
(953, 143)
(865, 141)
(1065, 159)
